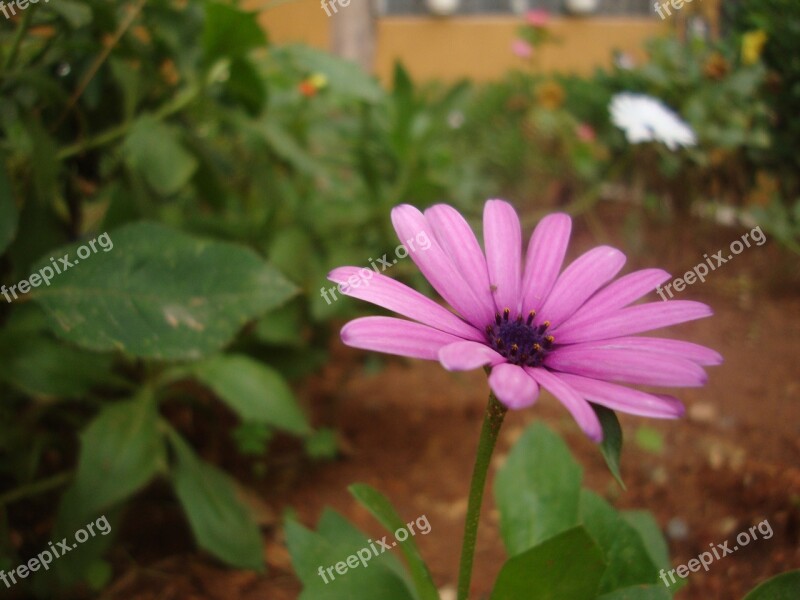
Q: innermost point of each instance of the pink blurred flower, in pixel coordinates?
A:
(585, 132)
(538, 18)
(522, 48)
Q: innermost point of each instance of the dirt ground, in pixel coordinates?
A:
(410, 429)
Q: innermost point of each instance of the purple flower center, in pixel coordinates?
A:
(519, 340)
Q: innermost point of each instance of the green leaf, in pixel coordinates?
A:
(628, 560)
(245, 86)
(121, 451)
(160, 293)
(41, 366)
(323, 444)
(253, 390)
(568, 565)
(154, 150)
(537, 490)
(9, 217)
(335, 542)
(611, 446)
(639, 592)
(344, 77)
(380, 508)
(782, 587)
(221, 524)
(77, 14)
(282, 326)
(284, 145)
(646, 526)
(229, 31)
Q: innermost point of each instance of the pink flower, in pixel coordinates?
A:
(570, 332)
(585, 132)
(522, 48)
(538, 18)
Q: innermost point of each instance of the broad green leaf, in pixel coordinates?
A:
(782, 587)
(568, 565)
(255, 391)
(537, 490)
(336, 541)
(647, 527)
(639, 592)
(160, 293)
(611, 447)
(221, 524)
(344, 77)
(41, 366)
(154, 150)
(229, 31)
(628, 560)
(122, 449)
(9, 217)
(380, 507)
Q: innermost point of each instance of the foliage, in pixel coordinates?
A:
(778, 21)
(549, 525)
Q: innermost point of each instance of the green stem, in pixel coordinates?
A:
(492, 421)
(178, 103)
(35, 488)
(19, 34)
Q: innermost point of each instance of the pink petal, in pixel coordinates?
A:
(619, 294)
(580, 409)
(437, 267)
(626, 366)
(512, 386)
(502, 237)
(672, 348)
(633, 319)
(456, 237)
(546, 251)
(465, 356)
(579, 281)
(396, 336)
(393, 295)
(625, 399)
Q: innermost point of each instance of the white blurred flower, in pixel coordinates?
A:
(646, 119)
(455, 119)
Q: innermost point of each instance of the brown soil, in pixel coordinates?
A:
(411, 430)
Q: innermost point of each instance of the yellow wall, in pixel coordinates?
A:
(475, 47)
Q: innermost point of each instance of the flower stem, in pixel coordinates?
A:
(492, 421)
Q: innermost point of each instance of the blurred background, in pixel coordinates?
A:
(188, 382)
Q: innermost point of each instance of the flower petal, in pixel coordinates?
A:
(580, 409)
(625, 399)
(513, 386)
(502, 237)
(465, 356)
(396, 336)
(579, 281)
(626, 366)
(633, 319)
(546, 250)
(397, 297)
(672, 348)
(458, 240)
(619, 294)
(438, 269)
